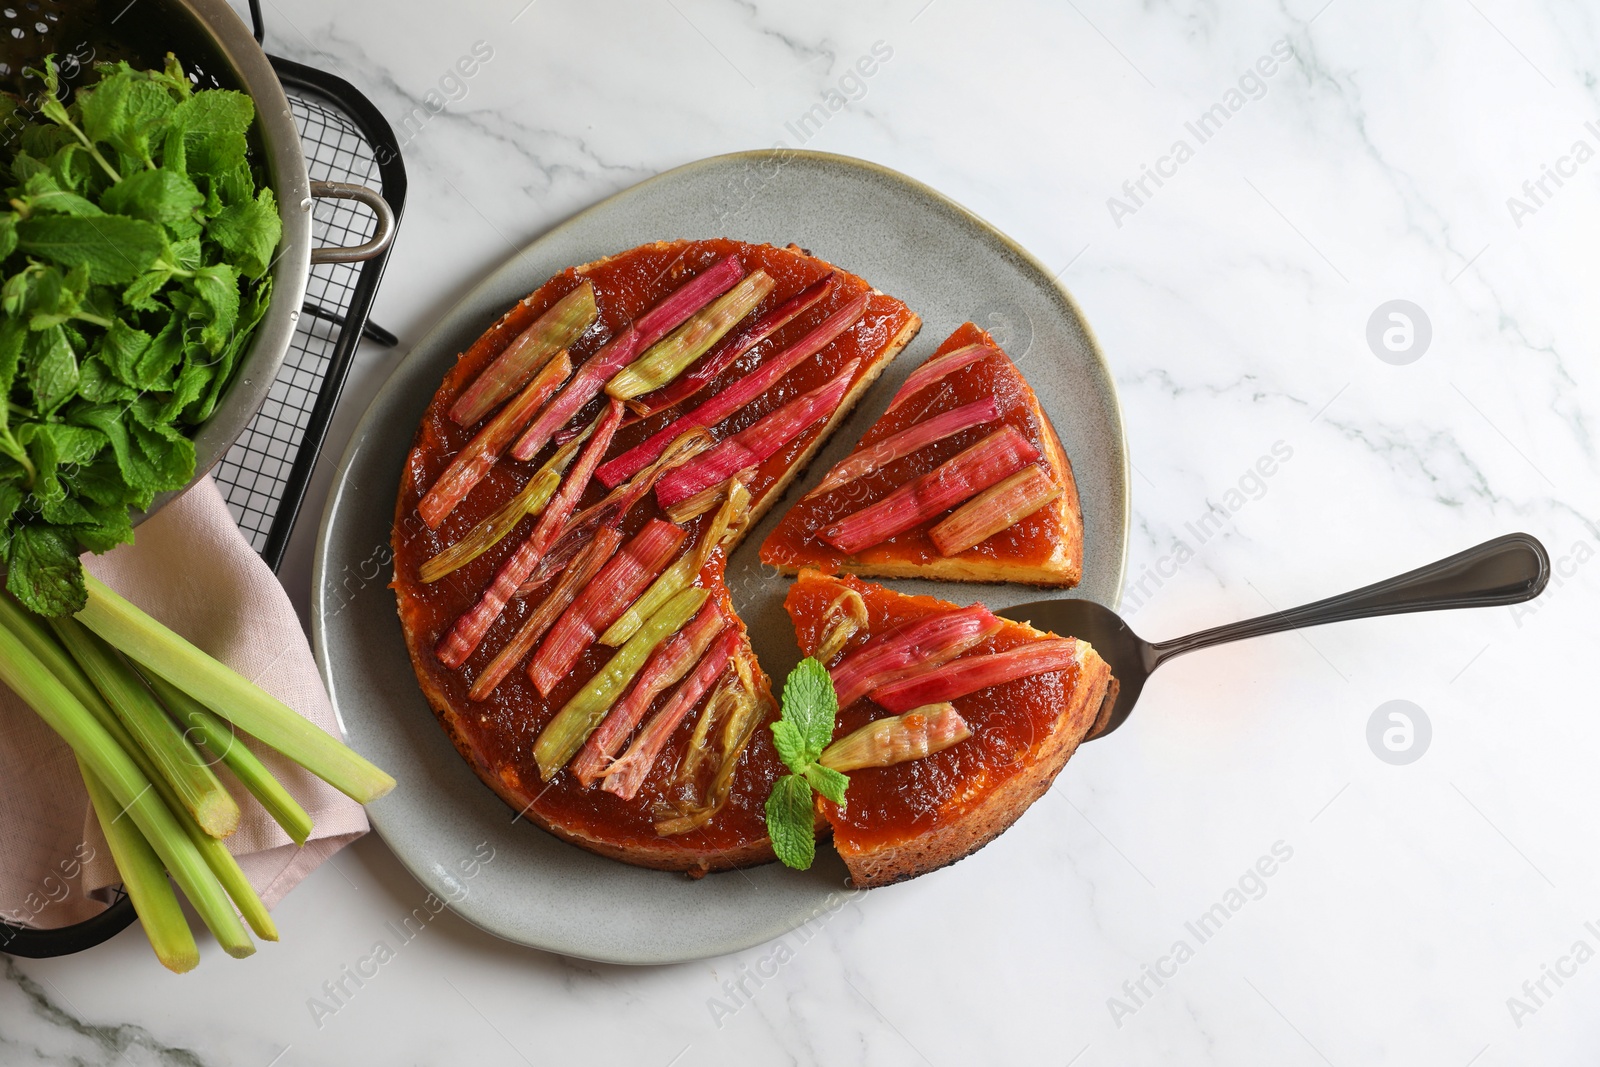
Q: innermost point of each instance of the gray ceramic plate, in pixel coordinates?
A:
(949, 266)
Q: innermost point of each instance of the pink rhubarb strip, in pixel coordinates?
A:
(622, 349)
(596, 551)
(963, 676)
(958, 479)
(603, 599)
(737, 394)
(757, 443)
(869, 458)
(890, 656)
(627, 774)
(480, 455)
(467, 633)
(730, 349)
(939, 367)
(669, 663)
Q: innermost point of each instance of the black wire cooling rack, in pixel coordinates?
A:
(264, 475)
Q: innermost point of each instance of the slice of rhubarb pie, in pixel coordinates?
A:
(564, 518)
(963, 478)
(952, 721)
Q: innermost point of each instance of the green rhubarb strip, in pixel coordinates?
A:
(176, 759)
(674, 354)
(530, 500)
(145, 881)
(573, 724)
(681, 573)
(525, 356)
(225, 692)
(223, 742)
(45, 689)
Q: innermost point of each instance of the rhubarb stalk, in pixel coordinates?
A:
(846, 616)
(737, 394)
(669, 663)
(566, 733)
(474, 461)
(934, 639)
(960, 677)
(628, 772)
(958, 479)
(898, 739)
(43, 689)
(683, 571)
(558, 328)
(623, 578)
(468, 631)
(613, 508)
(177, 762)
(592, 556)
(673, 354)
(758, 442)
(997, 508)
(869, 458)
(621, 350)
(730, 349)
(738, 726)
(938, 368)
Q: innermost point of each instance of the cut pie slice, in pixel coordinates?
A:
(962, 478)
(997, 706)
(565, 515)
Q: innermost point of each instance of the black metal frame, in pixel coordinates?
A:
(63, 941)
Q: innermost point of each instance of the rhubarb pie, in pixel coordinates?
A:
(564, 518)
(952, 721)
(962, 478)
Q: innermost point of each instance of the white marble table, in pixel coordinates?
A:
(1435, 912)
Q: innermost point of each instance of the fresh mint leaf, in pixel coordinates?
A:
(140, 296)
(43, 194)
(217, 286)
(212, 126)
(150, 460)
(44, 571)
(57, 297)
(790, 744)
(810, 703)
(248, 232)
(159, 195)
(803, 729)
(52, 368)
(791, 822)
(8, 233)
(827, 781)
(105, 529)
(114, 248)
(12, 336)
(53, 446)
(126, 109)
(191, 386)
(127, 352)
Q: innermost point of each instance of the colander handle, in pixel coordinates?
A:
(381, 237)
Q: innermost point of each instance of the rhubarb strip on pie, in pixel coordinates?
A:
(1025, 700)
(963, 478)
(499, 602)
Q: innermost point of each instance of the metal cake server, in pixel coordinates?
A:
(1506, 570)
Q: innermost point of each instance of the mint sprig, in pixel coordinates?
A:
(802, 731)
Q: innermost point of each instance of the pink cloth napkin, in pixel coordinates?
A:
(192, 569)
